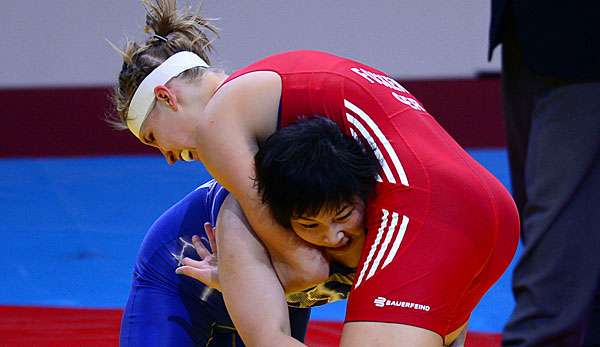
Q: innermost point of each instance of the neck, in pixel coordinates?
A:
(204, 88)
(213, 80)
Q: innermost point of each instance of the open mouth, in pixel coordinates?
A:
(343, 245)
(186, 155)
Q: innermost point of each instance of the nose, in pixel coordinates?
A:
(169, 156)
(334, 235)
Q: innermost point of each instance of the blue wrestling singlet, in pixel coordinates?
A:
(166, 309)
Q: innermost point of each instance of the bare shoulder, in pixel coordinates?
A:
(252, 83)
(234, 227)
(230, 205)
(251, 100)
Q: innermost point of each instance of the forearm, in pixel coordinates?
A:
(250, 287)
(298, 264)
(293, 260)
(299, 269)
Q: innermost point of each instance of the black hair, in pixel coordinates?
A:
(311, 165)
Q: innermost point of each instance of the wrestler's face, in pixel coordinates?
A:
(340, 230)
(170, 125)
(170, 133)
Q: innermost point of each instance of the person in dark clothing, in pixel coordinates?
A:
(551, 87)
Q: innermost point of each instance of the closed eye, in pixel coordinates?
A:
(309, 226)
(345, 215)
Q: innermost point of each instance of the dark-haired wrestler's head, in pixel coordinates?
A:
(315, 180)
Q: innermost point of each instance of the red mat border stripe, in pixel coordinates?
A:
(22, 326)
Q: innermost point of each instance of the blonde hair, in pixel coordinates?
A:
(172, 31)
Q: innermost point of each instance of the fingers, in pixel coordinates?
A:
(201, 271)
(202, 275)
(200, 248)
(210, 233)
(194, 263)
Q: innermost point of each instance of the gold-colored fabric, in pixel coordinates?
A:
(335, 288)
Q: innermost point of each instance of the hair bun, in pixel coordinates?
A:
(171, 32)
(161, 17)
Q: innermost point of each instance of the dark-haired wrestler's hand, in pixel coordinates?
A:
(205, 270)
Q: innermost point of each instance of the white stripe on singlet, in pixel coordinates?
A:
(353, 133)
(382, 139)
(365, 134)
(397, 242)
(392, 231)
(384, 245)
(384, 220)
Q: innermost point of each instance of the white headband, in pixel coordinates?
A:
(143, 99)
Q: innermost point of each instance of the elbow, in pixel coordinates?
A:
(306, 275)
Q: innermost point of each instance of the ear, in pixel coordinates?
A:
(166, 96)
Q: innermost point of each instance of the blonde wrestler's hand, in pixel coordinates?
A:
(205, 270)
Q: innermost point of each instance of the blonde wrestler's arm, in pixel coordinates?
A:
(238, 116)
(253, 294)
